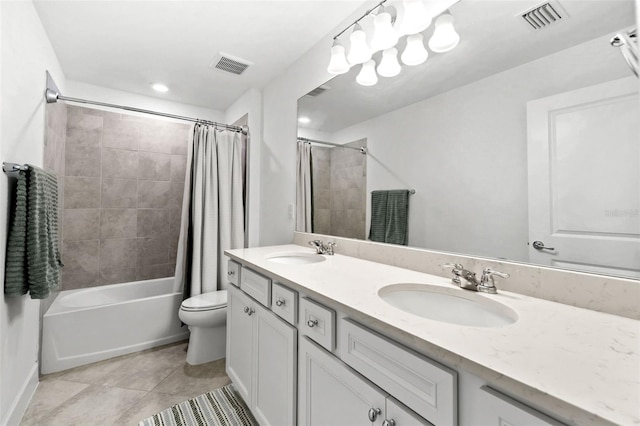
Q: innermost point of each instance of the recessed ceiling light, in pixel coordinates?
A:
(304, 120)
(159, 87)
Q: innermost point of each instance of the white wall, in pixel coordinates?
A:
(76, 89)
(465, 152)
(25, 56)
(251, 103)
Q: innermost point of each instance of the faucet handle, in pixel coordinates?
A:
(330, 246)
(318, 245)
(487, 284)
(455, 266)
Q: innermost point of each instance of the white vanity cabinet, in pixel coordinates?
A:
(261, 359)
(330, 393)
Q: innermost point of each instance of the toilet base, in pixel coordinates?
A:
(206, 344)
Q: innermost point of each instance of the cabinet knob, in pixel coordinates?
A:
(249, 311)
(231, 272)
(280, 302)
(389, 422)
(374, 413)
(312, 323)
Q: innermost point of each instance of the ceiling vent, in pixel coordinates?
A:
(318, 91)
(544, 15)
(229, 63)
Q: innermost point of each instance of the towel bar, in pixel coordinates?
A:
(13, 167)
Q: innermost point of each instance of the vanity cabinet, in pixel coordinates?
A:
(261, 359)
(331, 393)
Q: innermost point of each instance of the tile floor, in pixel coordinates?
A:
(122, 390)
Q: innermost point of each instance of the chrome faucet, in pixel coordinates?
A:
(467, 280)
(322, 248)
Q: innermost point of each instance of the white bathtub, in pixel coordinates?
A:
(88, 325)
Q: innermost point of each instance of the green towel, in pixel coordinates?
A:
(390, 216)
(33, 257)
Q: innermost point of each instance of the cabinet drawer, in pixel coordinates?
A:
(318, 322)
(233, 273)
(427, 388)
(500, 409)
(284, 302)
(256, 286)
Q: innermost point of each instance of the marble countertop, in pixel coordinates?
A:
(582, 365)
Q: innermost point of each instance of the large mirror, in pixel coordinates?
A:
(516, 136)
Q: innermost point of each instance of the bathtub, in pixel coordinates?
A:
(88, 325)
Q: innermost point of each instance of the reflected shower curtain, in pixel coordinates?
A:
(212, 209)
(304, 205)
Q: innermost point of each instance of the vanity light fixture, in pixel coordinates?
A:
(414, 18)
(159, 87)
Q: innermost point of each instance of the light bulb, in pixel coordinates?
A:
(384, 36)
(359, 52)
(367, 75)
(416, 18)
(389, 66)
(338, 63)
(444, 37)
(414, 53)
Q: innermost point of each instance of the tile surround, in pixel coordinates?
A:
(124, 179)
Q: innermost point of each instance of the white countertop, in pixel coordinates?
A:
(580, 364)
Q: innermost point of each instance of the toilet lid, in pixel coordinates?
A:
(206, 301)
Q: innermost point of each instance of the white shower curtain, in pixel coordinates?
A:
(212, 209)
(304, 205)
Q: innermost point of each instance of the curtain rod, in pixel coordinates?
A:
(362, 149)
(52, 97)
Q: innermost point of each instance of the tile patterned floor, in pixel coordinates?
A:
(122, 390)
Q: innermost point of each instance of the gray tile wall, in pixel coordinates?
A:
(339, 191)
(53, 161)
(124, 179)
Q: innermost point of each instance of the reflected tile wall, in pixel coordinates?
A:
(123, 183)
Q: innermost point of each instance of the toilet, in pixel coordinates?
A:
(206, 316)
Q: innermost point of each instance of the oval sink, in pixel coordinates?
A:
(296, 258)
(448, 305)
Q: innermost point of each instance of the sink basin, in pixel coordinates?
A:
(448, 305)
(296, 258)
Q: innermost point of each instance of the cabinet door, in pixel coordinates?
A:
(274, 386)
(330, 393)
(500, 410)
(240, 342)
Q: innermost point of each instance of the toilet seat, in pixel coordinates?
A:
(206, 301)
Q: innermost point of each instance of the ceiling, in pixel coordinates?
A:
(126, 45)
(493, 38)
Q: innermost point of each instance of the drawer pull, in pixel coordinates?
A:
(280, 302)
(389, 422)
(313, 323)
(231, 272)
(373, 414)
(249, 311)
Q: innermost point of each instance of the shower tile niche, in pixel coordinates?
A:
(123, 185)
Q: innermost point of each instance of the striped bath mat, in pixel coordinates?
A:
(220, 407)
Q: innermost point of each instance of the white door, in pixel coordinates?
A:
(330, 394)
(240, 342)
(274, 399)
(584, 179)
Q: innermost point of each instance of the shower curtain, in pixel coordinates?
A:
(304, 205)
(212, 209)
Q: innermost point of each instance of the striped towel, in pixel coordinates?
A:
(33, 256)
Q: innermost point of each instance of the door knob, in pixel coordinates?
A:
(539, 245)
(373, 414)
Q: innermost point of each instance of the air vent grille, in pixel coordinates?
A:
(318, 91)
(229, 63)
(544, 15)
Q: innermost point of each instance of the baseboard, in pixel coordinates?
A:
(21, 402)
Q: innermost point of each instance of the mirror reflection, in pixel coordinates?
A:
(516, 136)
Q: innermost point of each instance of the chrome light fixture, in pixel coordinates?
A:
(414, 17)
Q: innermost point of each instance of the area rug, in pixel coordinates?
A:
(220, 407)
